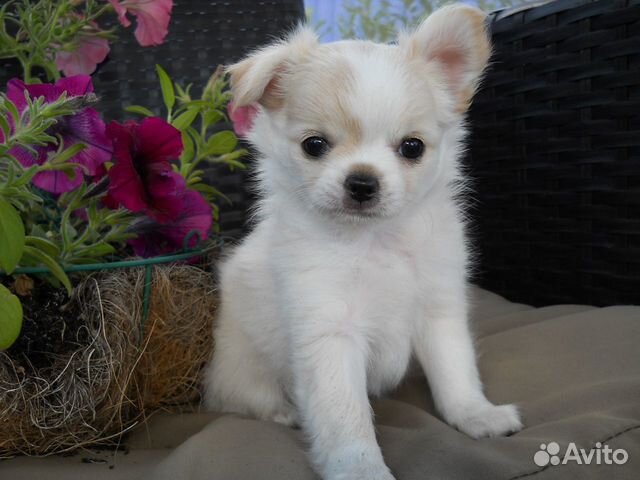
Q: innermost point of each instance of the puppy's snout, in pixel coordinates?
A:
(362, 187)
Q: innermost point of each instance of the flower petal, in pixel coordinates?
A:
(195, 217)
(87, 127)
(50, 92)
(158, 141)
(53, 182)
(27, 158)
(149, 245)
(166, 190)
(153, 20)
(15, 93)
(75, 86)
(169, 238)
(89, 52)
(58, 182)
(121, 10)
(142, 179)
(125, 188)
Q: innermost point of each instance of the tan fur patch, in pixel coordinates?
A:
(468, 54)
(464, 99)
(319, 92)
(365, 169)
(482, 48)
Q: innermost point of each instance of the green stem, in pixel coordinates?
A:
(26, 68)
(106, 8)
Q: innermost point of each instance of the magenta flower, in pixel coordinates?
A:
(85, 57)
(158, 239)
(84, 127)
(153, 18)
(242, 118)
(142, 179)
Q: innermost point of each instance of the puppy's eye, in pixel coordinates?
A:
(315, 146)
(411, 148)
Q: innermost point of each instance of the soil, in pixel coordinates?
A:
(51, 328)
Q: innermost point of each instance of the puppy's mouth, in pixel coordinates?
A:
(363, 210)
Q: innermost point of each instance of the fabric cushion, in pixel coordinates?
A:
(573, 370)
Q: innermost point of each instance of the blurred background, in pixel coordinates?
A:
(379, 20)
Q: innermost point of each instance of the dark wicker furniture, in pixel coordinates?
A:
(555, 152)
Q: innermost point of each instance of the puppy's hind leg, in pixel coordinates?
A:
(239, 380)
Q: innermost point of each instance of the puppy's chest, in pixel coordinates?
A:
(380, 282)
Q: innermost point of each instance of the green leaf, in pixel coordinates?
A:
(213, 116)
(233, 158)
(168, 93)
(67, 154)
(10, 318)
(188, 150)
(68, 233)
(4, 127)
(9, 105)
(12, 237)
(98, 250)
(235, 164)
(221, 143)
(199, 104)
(184, 120)
(26, 176)
(182, 94)
(139, 110)
(211, 191)
(47, 246)
(41, 258)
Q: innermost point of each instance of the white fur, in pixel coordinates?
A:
(321, 306)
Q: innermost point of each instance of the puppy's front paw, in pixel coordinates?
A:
(355, 462)
(366, 471)
(488, 420)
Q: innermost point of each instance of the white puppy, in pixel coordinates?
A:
(358, 259)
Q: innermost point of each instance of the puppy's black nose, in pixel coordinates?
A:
(361, 186)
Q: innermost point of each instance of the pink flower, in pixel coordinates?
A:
(142, 179)
(84, 58)
(153, 18)
(242, 118)
(84, 127)
(194, 221)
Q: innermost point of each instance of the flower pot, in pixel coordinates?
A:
(138, 334)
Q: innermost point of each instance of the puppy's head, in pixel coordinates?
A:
(358, 130)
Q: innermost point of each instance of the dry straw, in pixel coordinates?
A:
(125, 371)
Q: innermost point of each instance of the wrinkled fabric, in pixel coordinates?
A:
(574, 371)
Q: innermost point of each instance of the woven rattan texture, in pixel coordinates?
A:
(555, 152)
(202, 35)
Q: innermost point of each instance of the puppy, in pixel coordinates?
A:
(358, 259)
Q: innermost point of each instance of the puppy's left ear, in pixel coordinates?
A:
(455, 39)
(259, 77)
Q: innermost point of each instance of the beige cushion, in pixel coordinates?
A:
(574, 371)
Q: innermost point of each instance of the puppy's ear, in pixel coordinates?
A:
(257, 78)
(456, 40)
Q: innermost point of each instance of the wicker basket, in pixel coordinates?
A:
(130, 341)
(555, 153)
